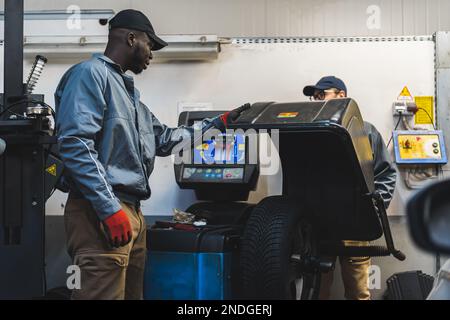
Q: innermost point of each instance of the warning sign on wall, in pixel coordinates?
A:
(405, 95)
(425, 115)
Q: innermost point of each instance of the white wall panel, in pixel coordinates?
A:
(375, 73)
(277, 17)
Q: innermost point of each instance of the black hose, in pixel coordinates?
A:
(360, 251)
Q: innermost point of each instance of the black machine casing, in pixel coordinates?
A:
(327, 164)
(23, 182)
(215, 238)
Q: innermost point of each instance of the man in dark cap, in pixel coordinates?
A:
(108, 140)
(355, 270)
(327, 88)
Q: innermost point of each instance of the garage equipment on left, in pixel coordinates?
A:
(28, 172)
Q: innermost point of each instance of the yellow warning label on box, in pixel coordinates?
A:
(419, 147)
(287, 115)
(52, 170)
(425, 115)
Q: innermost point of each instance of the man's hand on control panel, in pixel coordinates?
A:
(231, 116)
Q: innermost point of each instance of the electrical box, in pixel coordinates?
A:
(404, 108)
(419, 147)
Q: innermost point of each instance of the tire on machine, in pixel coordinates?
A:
(274, 233)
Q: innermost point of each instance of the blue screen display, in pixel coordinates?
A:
(226, 149)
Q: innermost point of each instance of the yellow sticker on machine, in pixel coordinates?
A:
(52, 170)
(287, 115)
(425, 114)
(419, 146)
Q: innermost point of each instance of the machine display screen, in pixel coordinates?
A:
(213, 174)
(229, 149)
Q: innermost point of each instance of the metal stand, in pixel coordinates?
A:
(22, 175)
(369, 251)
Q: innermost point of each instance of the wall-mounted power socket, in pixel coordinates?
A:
(404, 108)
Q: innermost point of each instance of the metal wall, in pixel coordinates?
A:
(279, 17)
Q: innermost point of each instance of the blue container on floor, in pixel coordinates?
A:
(191, 265)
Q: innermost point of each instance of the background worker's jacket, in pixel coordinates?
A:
(107, 138)
(383, 167)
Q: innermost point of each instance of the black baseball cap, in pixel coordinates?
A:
(136, 20)
(324, 84)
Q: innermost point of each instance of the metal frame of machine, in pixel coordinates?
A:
(23, 178)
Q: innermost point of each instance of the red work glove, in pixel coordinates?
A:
(231, 116)
(118, 228)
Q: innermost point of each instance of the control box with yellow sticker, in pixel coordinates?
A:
(419, 147)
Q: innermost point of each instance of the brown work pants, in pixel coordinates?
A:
(107, 273)
(355, 275)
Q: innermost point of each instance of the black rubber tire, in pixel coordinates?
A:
(271, 236)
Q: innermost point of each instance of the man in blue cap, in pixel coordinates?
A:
(355, 270)
(327, 88)
(108, 140)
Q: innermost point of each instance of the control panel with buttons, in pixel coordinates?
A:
(213, 174)
(419, 147)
